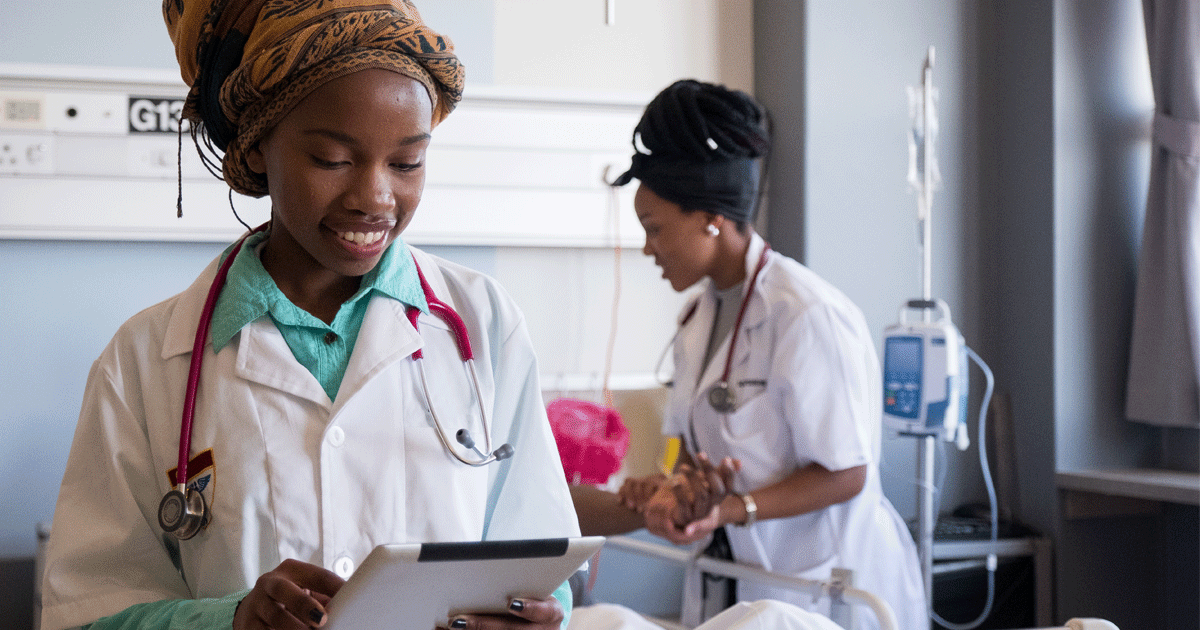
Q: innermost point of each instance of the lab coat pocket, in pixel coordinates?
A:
(752, 430)
(751, 401)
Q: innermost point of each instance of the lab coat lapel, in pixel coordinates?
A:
(181, 328)
(386, 336)
(262, 356)
(697, 334)
(752, 322)
(756, 307)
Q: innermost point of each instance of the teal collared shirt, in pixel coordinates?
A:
(251, 293)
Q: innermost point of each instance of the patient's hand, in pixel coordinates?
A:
(637, 491)
(699, 488)
(686, 508)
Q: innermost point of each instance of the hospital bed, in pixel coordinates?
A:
(839, 588)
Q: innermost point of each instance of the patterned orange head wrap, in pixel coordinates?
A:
(249, 62)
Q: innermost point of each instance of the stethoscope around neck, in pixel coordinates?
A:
(183, 511)
(720, 396)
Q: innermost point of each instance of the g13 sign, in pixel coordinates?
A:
(154, 115)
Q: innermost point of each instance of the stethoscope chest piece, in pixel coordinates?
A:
(183, 514)
(721, 398)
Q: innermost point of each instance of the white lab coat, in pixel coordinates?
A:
(808, 386)
(295, 475)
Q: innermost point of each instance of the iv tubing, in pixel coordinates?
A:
(991, 490)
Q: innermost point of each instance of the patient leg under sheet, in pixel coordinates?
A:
(608, 617)
(765, 614)
(768, 614)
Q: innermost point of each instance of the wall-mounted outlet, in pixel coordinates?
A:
(26, 154)
(86, 112)
(22, 110)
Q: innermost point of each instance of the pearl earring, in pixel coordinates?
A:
(713, 230)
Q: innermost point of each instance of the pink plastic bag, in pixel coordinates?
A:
(591, 438)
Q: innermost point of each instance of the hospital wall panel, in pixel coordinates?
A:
(512, 166)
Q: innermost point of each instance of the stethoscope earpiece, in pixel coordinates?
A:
(183, 513)
(503, 452)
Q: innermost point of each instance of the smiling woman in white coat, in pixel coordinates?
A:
(774, 367)
(317, 376)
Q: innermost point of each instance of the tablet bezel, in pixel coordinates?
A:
(430, 582)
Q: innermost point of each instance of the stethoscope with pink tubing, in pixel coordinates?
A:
(183, 511)
(721, 396)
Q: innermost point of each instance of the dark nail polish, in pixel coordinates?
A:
(316, 615)
(516, 605)
(458, 624)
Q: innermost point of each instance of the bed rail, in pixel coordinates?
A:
(841, 592)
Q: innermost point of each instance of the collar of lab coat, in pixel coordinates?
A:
(756, 310)
(392, 337)
(702, 310)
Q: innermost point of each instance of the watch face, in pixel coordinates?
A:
(721, 398)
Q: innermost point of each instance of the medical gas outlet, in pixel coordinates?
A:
(26, 154)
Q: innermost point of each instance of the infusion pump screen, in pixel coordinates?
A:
(903, 356)
(902, 365)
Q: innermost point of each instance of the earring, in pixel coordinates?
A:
(713, 230)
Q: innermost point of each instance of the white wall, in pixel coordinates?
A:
(543, 43)
(859, 214)
(550, 44)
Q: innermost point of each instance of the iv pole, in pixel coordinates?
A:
(925, 163)
(923, 175)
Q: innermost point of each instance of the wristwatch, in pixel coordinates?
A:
(751, 510)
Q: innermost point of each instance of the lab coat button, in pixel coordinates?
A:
(336, 436)
(343, 567)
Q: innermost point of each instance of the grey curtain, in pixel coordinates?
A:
(1165, 347)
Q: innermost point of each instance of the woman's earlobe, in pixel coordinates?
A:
(715, 222)
(256, 161)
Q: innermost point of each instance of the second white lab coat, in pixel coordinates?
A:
(808, 384)
(295, 475)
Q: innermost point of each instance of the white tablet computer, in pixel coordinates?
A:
(421, 585)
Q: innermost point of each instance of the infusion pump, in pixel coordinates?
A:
(925, 374)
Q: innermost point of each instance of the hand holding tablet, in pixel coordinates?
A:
(421, 586)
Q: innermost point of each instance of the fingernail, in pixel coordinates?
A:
(516, 605)
(316, 616)
(458, 624)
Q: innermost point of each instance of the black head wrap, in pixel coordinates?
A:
(702, 148)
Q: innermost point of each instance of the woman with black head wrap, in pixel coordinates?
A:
(313, 438)
(775, 368)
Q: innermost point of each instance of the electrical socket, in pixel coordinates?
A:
(26, 154)
(86, 112)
